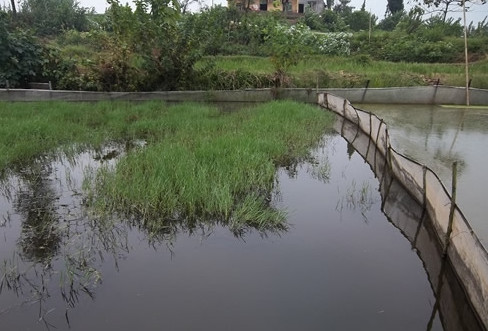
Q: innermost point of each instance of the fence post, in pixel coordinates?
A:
(365, 90)
(453, 208)
(435, 90)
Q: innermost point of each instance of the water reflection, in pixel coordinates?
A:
(451, 304)
(40, 238)
(437, 136)
(329, 271)
(62, 246)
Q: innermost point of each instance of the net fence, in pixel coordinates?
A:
(461, 245)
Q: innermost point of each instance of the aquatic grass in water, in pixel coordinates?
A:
(199, 163)
(212, 166)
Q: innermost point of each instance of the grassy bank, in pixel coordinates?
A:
(199, 163)
(354, 71)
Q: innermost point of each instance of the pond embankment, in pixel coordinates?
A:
(392, 95)
(460, 245)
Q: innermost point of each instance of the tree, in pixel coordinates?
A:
(184, 4)
(151, 43)
(287, 50)
(360, 20)
(343, 7)
(50, 17)
(20, 54)
(330, 4)
(14, 10)
(394, 6)
(445, 6)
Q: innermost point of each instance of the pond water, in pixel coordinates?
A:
(437, 136)
(341, 265)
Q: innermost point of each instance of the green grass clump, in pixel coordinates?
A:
(212, 166)
(29, 130)
(199, 163)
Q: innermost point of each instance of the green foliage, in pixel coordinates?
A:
(481, 28)
(287, 49)
(343, 8)
(390, 22)
(210, 77)
(333, 21)
(417, 50)
(411, 22)
(354, 70)
(20, 55)
(360, 20)
(50, 17)
(219, 29)
(313, 20)
(151, 50)
(436, 28)
(395, 6)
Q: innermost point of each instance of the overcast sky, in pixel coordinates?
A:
(377, 7)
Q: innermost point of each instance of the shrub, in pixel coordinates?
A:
(20, 55)
(333, 21)
(410, 49)
(50, 17)
(390, 22)
(360, 20)
(313, 20)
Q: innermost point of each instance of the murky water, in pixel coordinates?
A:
(437, 137)
(341, 266)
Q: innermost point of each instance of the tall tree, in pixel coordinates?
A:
(330, 4)
(394, 6)
(343, 7)
(14, 10)
(446, 6)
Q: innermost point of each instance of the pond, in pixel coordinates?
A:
(437, 136)
(342, 264)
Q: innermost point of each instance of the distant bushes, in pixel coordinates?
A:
(140, 49)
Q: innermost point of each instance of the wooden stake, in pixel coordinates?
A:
(466, 52)
(453, 208)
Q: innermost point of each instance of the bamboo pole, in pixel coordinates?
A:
(14, 10)
(466, 52)
(453, 208)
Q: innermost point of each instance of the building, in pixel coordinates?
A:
(290, 6)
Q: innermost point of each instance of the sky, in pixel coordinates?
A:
(377, 7)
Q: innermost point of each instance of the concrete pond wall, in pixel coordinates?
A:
(467, 255)
(393, 95)
(460, 245)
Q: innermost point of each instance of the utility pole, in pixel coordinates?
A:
(370, 26)
(466, 52)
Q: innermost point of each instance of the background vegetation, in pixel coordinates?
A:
(197, 162)
(159, 46)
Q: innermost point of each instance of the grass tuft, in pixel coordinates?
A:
(198, 163)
